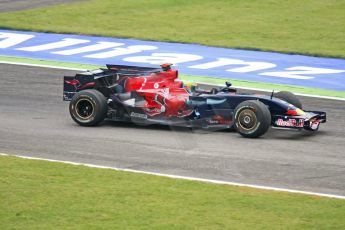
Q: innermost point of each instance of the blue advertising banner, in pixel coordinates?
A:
(267, 67)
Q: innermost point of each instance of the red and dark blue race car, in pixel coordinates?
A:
(148, 95)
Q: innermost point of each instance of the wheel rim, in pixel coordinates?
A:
(247, 119)
(84, 109)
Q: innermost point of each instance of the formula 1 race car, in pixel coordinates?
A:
(147, 95)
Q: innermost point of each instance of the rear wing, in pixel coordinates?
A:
(102, 78)
(126, 68)
(80, 81)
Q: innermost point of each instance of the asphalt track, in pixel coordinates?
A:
(34, 121)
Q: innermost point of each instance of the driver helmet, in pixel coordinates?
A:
(190, 86)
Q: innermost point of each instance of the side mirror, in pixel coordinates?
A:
(228, 84)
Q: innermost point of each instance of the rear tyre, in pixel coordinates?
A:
(88, 107)
(289, 98)
(252, 118)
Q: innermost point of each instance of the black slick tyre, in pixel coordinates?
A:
(252, 118)
(88, 107)
(289, 98)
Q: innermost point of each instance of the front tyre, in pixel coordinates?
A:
(252, 118)
(289, 98)
(88, 107)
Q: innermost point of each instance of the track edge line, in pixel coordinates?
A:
(239, 87)
(183, 177)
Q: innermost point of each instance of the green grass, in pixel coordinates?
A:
(44, 195)
(265, 86)
(313, 27)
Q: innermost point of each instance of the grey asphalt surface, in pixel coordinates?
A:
(15, 5)
(34, 121)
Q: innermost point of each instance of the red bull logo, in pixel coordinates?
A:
(290, 123)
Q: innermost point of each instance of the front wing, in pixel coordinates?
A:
(309, 121)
